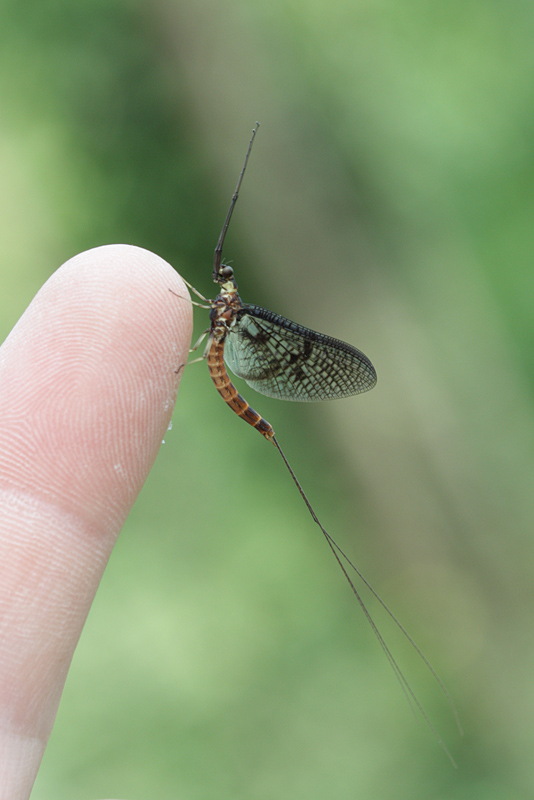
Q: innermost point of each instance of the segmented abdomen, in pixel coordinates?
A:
(229, 393)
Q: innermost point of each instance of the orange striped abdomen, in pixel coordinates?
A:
(229, 393)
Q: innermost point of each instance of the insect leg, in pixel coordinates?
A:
(206, 349)
(188, 299)
(198, 343)
(192, 350)
(190, 286)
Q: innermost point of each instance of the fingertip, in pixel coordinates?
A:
(89, 379)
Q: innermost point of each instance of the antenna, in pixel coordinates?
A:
(218, 250)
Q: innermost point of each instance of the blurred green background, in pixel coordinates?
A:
(388, 202)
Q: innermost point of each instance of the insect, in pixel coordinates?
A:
(281, 359)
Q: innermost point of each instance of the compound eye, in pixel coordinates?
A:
(226, 272)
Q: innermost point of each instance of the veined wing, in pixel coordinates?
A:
(281, 359)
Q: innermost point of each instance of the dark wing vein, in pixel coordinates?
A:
(281, 359)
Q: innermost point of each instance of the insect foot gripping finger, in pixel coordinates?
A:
(198, 343)
(204, 355)
(198, 294)
(188, 299)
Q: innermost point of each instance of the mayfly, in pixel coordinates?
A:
(281, 359)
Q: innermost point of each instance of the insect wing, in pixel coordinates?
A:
(281, 359)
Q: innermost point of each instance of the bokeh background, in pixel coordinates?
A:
(388, 202)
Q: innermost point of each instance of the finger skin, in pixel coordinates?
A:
(87, 389)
